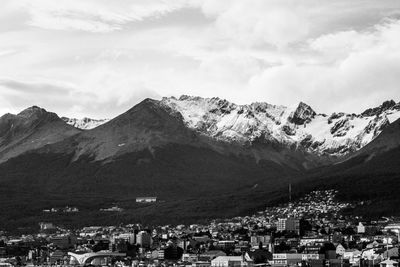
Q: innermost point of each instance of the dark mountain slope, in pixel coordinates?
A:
(145, 126)
(191, 183)
(372, 175)
(147, 151)
(31, 129)
(152, 124)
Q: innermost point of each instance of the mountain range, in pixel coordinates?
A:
(202, 157)
(336, 135)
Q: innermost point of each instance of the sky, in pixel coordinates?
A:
(98, 58)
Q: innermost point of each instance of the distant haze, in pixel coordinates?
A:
(97, 58)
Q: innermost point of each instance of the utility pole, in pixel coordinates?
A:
(387, 247)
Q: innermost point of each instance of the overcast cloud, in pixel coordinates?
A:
(98, 58)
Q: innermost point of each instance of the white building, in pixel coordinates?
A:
(360, 228)
(46, 226)
(312, 240)
(312, 256)
(146, 199)
(228, 261)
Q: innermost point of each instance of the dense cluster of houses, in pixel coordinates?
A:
(292, 235)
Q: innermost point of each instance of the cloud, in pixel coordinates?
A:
(95, 16)
(18, 95)
(105, 56)
(263, 22)
(69, 100)
(284, 22)
(33, 87)
(7, 52)
(364, 70)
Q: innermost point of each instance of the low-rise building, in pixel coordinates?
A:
(146, 199)
(285, 259)
(228, 261)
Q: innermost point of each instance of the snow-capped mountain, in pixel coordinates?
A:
(85, 123)
(198, 153)
(299, 126)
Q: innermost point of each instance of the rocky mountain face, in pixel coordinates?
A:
(389, 106)
(85, 123)
(336, 135)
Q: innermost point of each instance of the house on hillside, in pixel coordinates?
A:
(146, 199)
(360, 228)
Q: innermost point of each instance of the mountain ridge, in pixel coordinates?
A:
(323, 138)
(334, 135)
(185, 158)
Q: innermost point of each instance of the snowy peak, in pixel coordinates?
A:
(303, 114)
(386, 106)
(301, 127)
(252, 125)
(85, 123)
(223, 120)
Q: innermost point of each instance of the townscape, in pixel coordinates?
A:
(199, 133)
(310, 231)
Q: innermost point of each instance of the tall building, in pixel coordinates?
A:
(143, 239)
(281, 225)
(360, 228)
(288, 224)
(128, 237)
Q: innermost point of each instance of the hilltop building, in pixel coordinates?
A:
(146, 199)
